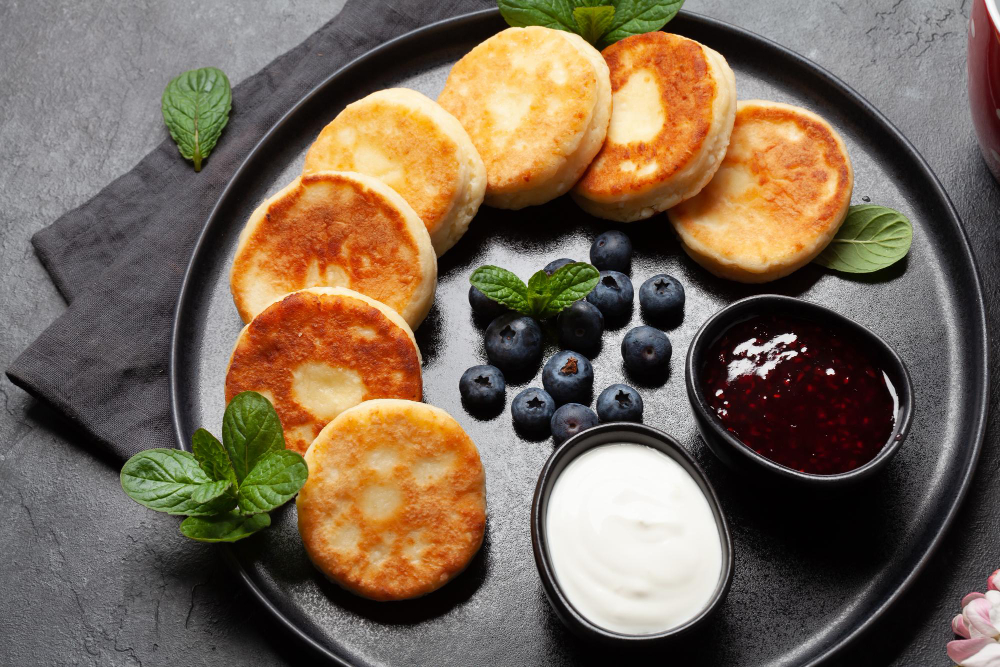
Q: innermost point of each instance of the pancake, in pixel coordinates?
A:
(782, 193)
(536, 103)
(319, 351)
(336, 229)
(395, 503)
(411, 144)
(673, 111)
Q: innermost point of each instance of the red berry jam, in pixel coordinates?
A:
(804, 395)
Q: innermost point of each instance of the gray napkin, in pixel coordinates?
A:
(119, 259)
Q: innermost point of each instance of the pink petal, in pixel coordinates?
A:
(993, 583)
(970, 597)
(963, 649)
(977, 615)
(958, 626)
(988, 656)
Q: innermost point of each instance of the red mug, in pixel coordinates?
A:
(984, 79)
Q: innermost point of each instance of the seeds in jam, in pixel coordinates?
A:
(806, 396)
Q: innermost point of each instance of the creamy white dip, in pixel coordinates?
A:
(633, 541)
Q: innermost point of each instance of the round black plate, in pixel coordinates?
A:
(811, 572)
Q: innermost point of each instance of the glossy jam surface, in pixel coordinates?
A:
(807, 396)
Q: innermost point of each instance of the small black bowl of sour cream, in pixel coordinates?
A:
(628, 537)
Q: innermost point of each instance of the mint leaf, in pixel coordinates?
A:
(634, 17)
(250, 430)
(567, 285)
(871, 238)
(228, 527)
(556, 14)
(593, 22)
(272, 482)
(600, 22)
(503, 287)
(196, 107)
(212, 457)
(538, 292)
(171, 481)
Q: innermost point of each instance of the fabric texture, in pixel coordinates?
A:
(120, 258)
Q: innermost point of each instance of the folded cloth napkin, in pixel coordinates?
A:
(119, 259)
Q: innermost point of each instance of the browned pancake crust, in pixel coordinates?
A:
(687, 92)
(355, 230)
(799, 188)
(417, 145)
(306, 327)
(521, 62)
(791, 174)
(438, 524)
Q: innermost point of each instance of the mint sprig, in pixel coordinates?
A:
(224, 488)
(544, 296)
(600, 22)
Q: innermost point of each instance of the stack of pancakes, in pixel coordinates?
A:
(331, 276)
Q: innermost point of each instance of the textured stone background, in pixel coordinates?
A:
(88, 577)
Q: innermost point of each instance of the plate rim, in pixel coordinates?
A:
(451, 23)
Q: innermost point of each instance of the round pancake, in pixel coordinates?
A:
(336, 229)
(673, 112)
(782, 192)
(536, 103)
(395, 503)
(414, 146)
(319, 351)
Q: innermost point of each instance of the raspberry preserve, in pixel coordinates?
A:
(807, 396)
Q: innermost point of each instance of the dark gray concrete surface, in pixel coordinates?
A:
(90, 578)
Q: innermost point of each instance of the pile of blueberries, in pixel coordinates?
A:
(514, 344)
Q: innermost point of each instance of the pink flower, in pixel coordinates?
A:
(979, 627)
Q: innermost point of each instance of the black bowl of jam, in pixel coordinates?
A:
(798, 392)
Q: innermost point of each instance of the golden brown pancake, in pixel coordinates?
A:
(415, 147)
(316, 352)
(780, 196)
(336, 229)
(536, 103)
(673, 111)
(395, 503)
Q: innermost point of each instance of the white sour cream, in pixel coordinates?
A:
(632, 539)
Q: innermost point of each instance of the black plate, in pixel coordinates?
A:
(811, 574)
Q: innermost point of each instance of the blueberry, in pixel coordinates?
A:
(619, 403)
(568, 377)
(532, 411)
(580, 326)
(646, 351)
(514, 342)
(482, 389)
(570, 419)
(557, 264)
(612, 295)
(483, 306)
(662, 298)
(612, 251)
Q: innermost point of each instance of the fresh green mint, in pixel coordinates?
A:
(593, 22)
(196, 107)
(227, 527)
(171, 481)
(544, 295)
(871, 238)
(600, 22)
(224, 488)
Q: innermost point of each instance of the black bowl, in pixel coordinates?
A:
(560, 458)
(741, 458)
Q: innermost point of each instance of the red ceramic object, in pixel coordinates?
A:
(984, 79)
